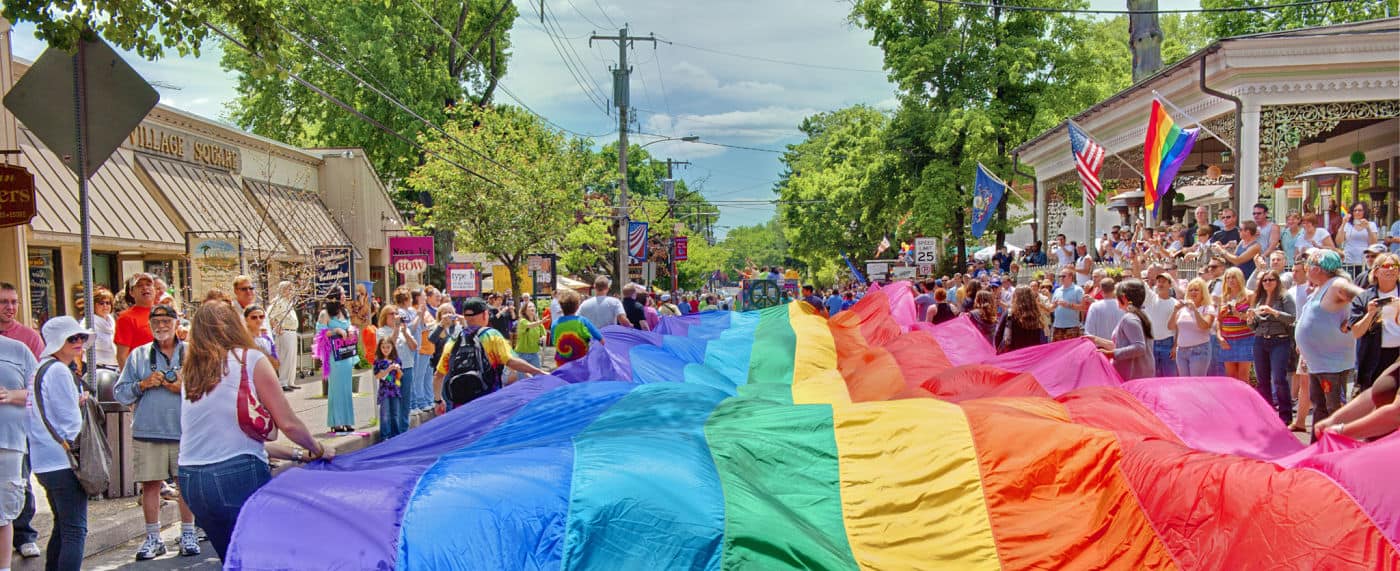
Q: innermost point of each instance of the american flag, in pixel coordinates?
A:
(637, 241)
(1088, 159)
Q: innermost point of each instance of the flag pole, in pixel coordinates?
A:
(1115, 155)
(1199, 124)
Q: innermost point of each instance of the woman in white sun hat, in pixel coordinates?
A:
(64, 340)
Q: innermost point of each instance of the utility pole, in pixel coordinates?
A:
(621, 87)
(670, 185)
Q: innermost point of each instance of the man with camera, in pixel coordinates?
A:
(150, 381)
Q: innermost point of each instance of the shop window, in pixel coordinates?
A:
(45, 276)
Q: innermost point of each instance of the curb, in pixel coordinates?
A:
(121, 523)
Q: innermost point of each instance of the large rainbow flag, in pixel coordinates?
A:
(780, 440)
(1167, 146)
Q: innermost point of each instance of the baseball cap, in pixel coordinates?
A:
(474, 306)
(163, 311)
(1376, 249)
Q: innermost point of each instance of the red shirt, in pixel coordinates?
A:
(133, 327)
(29, 337)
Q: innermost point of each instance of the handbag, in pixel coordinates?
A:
(88, 455)
(253, 418)
(346, 349)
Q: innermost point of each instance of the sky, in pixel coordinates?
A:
(737, 72)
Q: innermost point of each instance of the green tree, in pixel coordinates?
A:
(760, 244)
(391, 45)
(535, 207)
(147, 28)
(1227, 24)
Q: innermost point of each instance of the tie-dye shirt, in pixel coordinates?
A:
(571, 335)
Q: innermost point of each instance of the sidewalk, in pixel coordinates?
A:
(113, 523)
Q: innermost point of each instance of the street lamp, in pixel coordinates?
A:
(622, 215)
(1324, 179)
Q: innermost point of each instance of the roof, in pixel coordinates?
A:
(300, 215)
(210, 200)
(120, 205)
(1383, 25)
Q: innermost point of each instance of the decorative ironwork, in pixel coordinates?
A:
(1283, 128)
(1224, 126)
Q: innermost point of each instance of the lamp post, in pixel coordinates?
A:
(624, 217)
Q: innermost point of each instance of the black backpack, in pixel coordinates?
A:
(469, 372)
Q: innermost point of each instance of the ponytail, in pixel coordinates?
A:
(1135, 292)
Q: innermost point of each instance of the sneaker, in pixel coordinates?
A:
(151, 549)
(189, 545)
(29, 550)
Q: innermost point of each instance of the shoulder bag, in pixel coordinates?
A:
(253, 418)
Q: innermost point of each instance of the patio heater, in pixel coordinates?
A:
(1325, 179)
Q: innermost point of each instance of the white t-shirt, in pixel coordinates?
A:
(209, 431)
(1160, 312)
(1355, 239)
(1082, 274)
(602, 310)
(61, 409)
(1103, 318)
(1063, 255)
(1304, 241)
(1390, 328)
(1188, 334)
(103, 328)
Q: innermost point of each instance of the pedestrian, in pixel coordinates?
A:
(133, 327)
(407, 343)
(1192, 323)
(150, 384)
(254, 318)
(449, 324)
(393, 417)
(603, 310)
(1271, 319)
(394, 411)
(55, 420)
(636, 316)
(1232, 329)
(529, 333)
(1298, 384)
(1312, 236)
(572, 333)
(422, 379)
(284, 323)
(26, 538)
(466, 376)
(337, 341)
(1066, 303)
(941, 310)
(649, 309)
(103, 327)
(1375, 321)
(1128, 348)
(666, 308)
(17, 366)
(1356, 234)
(1160, 305)
(1321, 337)
(1242, 254)
(1105, 314)
(924, 300)
(221, 463)
(984, 314)
(1022, 326)
(1289, 235)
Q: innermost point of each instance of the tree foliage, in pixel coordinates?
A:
(760, 245)
(538, 203)
(390, 45)
(1227, 24)
(145, 27)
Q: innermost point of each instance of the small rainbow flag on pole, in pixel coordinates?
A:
(1166, 148)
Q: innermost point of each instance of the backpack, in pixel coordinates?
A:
(469, 372)
(89, 455)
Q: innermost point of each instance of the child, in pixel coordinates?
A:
(572, 333)
(390, 375)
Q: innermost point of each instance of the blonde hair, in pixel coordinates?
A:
(385, 313)
(215, 330)
(1226, 290)
(1199, 285)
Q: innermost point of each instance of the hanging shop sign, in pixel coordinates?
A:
(17, 201)
(463, 280)
(333, 268)
(411, 248)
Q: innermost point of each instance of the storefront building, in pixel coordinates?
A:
(177, 178)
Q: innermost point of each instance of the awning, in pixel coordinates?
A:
(210, 200)
(1204, 194)
(300, 215)
(573, 284)
(122, 209)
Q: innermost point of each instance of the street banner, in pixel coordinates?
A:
(681, 248)
(411, 248)
(215, 259)
(334, 265)
(986, 194)
(637, 242)
(463, 280)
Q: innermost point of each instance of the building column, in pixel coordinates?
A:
(1247, 180)
(14, 268)
(1042, 212)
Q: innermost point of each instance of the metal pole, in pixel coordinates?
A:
(622, 215)
(85, 220)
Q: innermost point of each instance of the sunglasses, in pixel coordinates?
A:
(1267, 280)
(257, 317)
(244, 288)
(79, 338)
(1388, 266)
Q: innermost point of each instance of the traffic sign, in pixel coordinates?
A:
(925, 251)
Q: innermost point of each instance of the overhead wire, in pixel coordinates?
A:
(605, 12)
(588, 85)
(774, 60)
(338, 102)
(584, 16)
(577, 59)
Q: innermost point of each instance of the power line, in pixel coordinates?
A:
(605, 12)
(584, 16)
(662, 81)
(1261, 8)
(780, 61)
(577, 59)
(343, 105)
(714, 144)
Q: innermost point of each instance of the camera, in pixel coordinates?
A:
(170, 375)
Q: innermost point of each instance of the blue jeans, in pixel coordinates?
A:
(422, 383)
(408, 389)
(216, 492)
(393, 416)
(1216, 367)
(69, 504)
(1193, 361)
(1271, 357)
(1162, 356)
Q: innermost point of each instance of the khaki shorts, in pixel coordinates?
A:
(155, 460)
(12, 480)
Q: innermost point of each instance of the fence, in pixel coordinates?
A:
(1185, 270)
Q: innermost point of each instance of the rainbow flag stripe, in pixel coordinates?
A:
(778, 439)
(1166, 148)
